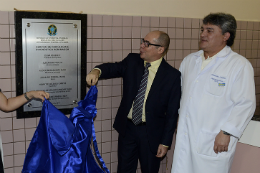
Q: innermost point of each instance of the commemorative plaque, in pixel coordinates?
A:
(52, 60)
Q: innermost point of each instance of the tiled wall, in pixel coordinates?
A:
(110, 39)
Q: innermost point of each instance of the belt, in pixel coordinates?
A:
(141, 124)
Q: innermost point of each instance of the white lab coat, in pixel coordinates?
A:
(219, 97)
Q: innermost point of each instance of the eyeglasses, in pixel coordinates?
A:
(147, 43)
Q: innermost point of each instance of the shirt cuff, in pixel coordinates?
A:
(165, 146)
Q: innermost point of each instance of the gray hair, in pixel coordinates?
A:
(226, 22)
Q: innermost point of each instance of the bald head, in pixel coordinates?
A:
(163, 39)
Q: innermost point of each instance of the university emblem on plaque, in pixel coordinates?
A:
(52, 30)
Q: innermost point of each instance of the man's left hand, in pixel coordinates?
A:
(162, 150)
(221, 142)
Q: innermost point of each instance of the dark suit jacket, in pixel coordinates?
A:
(162, 103)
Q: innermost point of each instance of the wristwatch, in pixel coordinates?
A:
(25, 95)
(226, 133)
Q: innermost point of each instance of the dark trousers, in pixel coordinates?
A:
(133, 146)
(1, 164)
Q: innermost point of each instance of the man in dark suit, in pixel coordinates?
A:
(148, 112)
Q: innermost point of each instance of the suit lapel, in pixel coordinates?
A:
(139, 74)
(160, 75)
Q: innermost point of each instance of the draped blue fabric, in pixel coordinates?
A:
(63, 145)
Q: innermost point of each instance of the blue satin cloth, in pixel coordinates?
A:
(66, 145)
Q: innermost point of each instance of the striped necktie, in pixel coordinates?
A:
(139, 99)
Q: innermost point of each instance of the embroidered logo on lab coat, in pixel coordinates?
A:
(219, 80)
(217, 84)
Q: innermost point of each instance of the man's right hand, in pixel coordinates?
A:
(92, 77)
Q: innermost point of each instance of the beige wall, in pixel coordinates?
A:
(247, 10)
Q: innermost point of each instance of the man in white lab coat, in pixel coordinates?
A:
(218, 100)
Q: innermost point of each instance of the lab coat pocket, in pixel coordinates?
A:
(205, 143)
(216, 85)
